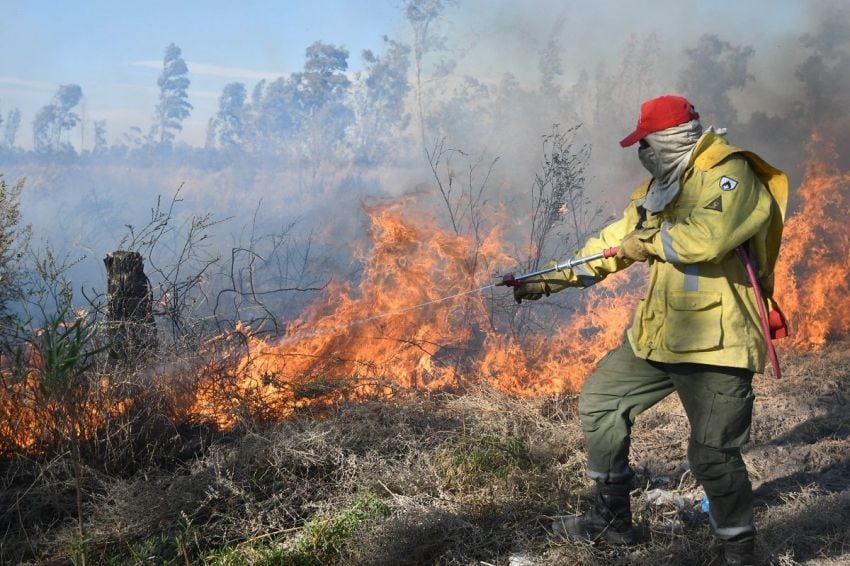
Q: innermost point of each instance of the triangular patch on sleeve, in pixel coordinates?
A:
(716, 204)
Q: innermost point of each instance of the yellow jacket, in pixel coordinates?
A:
(699, 306)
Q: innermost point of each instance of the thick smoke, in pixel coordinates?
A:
(463, 93)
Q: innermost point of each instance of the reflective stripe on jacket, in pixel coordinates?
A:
(699, 306)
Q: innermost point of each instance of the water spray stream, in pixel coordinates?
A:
(509, 280)
(361, 321)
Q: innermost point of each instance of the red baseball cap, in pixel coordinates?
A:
(659, 114)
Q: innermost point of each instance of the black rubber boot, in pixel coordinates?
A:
(740, 552)
(609, 519)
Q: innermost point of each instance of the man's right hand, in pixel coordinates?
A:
(632, 247)
(531, 291)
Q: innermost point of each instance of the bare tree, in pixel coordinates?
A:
(177, 253)
(424, 17)
(256, 285)
(558, 196)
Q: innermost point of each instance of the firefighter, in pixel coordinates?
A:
(696, 332)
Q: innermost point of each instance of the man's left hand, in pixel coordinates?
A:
(531, 290)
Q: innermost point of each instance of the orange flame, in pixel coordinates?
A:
(34, 418)
(811, 276)
(423, 318)
(411, 325)
(420, 319)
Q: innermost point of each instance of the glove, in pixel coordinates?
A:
(633, 248)
(531, 291)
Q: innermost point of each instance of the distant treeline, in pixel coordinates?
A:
(309, 115)
(417, 91)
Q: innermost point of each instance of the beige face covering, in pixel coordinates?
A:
(666, 158)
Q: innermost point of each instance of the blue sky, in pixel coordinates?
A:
(113, 50)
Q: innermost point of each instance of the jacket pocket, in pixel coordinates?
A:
(693, 322)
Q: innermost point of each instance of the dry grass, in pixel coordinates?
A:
(456, 478)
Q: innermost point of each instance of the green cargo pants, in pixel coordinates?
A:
(719, 405)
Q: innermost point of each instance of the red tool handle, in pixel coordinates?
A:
(610, 252)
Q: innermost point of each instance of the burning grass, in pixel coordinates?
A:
(380, 430)
(451, 478)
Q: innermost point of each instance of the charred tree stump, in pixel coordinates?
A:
(129, 300)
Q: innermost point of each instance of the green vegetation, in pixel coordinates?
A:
(479, 461)
(322, 540)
